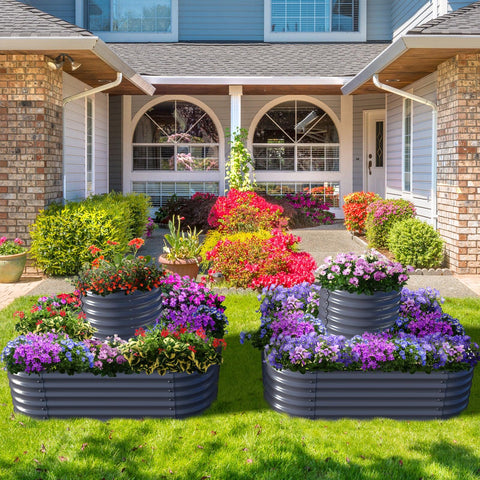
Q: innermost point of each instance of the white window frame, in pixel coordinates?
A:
(360, 36)
(87, 101)
(80, 12)
(404, 146)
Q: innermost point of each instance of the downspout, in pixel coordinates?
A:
(434, 108)
(77, 96)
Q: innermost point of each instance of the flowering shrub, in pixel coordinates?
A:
(239, 163)
(58, 314)
(121, 274)
(203, 196)
(361, 274)
(355, 209)
(272, 261)
(245, 212)
(311, 206)
(11, 247)
(292, 337)
(382, 215)
(150, 227)
(192, 306)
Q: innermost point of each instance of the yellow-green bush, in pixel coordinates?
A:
(61, 235)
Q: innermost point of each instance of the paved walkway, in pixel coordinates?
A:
(319, 242)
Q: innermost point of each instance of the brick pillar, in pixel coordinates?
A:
(30, 141)
(459, 161)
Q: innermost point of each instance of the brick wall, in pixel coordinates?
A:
(459, 161)
(30, 141)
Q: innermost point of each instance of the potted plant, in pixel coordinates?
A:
(420, 369)
(182, 249)
(361, 292)
(13, 256)
(120, 294)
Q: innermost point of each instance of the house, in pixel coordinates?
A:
(337, 96)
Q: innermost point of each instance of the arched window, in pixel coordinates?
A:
(296, 136)
(175, 136)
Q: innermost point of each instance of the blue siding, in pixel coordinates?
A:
(215, 20)
(456, 4)
(410, 13)
(64, 9)
(379, 21)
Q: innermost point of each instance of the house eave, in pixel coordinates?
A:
(405, 56)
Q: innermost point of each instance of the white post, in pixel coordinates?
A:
(346, 146)
(235, 92)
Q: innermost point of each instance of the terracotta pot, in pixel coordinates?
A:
(11, 267)
(187, 267)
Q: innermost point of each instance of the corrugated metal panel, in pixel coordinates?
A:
(379, 20)
(239, 20)
(398, 395)
(64, 9)
(57, 395)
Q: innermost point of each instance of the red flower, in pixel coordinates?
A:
(140, 332)
(164, 333)
(192, 348)
(39, 322)
(219, 342)
(136, 242)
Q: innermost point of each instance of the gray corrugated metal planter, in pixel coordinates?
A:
(57, 395)
(398, 395)
(351, 314)
(122, 314)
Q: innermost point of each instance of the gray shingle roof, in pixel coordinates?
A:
(464, 21)
(248, 59)
(20, 20)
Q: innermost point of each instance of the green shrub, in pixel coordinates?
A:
(61, 235)
(416, 243)
(381, 216)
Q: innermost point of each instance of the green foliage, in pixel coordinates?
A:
(239, 163)
(181, 245)
(416, 243)
(381, 216)
(61, 235)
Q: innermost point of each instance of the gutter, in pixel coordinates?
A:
(93, 91)
(434, 107)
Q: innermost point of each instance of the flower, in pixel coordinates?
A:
(11, 247)
(181, 245)
(122, 274)
(361, 273)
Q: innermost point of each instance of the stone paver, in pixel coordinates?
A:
(319, 242)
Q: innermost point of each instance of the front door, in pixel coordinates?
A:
(375, 151)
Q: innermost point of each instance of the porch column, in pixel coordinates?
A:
(346, 147)
(30, 141)
(235, 92)
(458, 170)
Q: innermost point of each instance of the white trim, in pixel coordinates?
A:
(235, 92)
(130, 123)
(171, 36)
(246, 80)
(360, 36)
(345, 135)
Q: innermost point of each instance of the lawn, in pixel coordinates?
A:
(239, 437)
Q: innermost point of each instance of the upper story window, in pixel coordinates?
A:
(315, 20)
(140, 20)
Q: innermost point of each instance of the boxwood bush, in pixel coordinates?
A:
(61, 235)
(381, 216)
(416, 243)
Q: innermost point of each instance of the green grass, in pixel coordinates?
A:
(239, 437)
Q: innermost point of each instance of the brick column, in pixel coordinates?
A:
(30, 141)
(459, 161)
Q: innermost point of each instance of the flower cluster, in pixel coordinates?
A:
(192, 306)
(150, 227)
(361, 273)
(355, 209)
(311, 206)
(58, 314)
(108, 358)
(266, 262)
(293, 338)
(122, 274)
(11, 247)
(245, 212)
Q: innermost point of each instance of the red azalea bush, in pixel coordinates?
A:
(245, 212)
(255, 264)
(355, 209)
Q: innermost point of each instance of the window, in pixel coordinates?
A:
(407, 145)
(126, 19)
(296, 136)
(89, 152)
(176, 136)
(289, 19)
(329, 192)
(160, 192)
